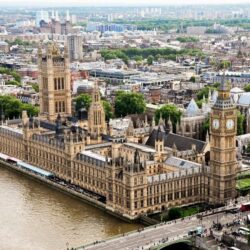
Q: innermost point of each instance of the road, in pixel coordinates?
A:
(153, 235)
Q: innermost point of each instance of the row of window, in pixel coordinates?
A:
(59, 83)
(60, 106)
(45, 82)
(89, 170)
(90, 181)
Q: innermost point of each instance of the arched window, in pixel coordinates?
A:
(55, 83)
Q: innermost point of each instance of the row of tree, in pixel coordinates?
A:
(19, 41)
(11, 107)
(83, 101)
(168, 24)
(12, 73)
(127, 103)
(149, 53)
(187, 39)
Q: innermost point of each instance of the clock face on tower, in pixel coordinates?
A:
(216, 123)
(230, 124)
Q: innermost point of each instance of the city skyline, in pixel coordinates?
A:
(74, 3)
(119, 115)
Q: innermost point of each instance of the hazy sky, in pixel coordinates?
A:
(51, 3)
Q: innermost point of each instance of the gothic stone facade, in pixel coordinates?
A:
(129, 176)
(133, 178)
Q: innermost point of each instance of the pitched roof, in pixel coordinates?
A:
(182, 143)
(192, 109)
(181, 163)
(244, 99)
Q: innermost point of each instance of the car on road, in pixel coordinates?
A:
(197, 231)
(235, 234)
(244, 231)
(232, 211)
(245, 207)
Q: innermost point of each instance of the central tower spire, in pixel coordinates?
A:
(96, 116)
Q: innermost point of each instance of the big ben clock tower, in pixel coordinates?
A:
(223, 164)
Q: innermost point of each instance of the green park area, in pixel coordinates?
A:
(188, 211)
(179, 212)
(243, 184)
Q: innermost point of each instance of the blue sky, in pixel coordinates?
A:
(51, 3)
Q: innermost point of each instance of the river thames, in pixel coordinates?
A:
(35, 216)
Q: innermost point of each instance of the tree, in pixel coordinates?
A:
(174, 213)
(204, 92)
(224, 64)
(13, 82)
(31, 110)
(216, 85)
(150, 60)
(192, 79)
(129, 103)
(13, 73)
(166, 111)
(240, 123)
(247, 88)
(108, 110)
(199, 102)
(205, 127)
(12, 107)
(187, 39)
(247, 151)
(35, 86)
(83, 101)
(18, 41)
(138, 59)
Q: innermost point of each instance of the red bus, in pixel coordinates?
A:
(245, 207)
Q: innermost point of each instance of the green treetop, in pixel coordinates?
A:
(247, 88)
(169, 111)
(12, 107)
(83, 101)
(129, 103)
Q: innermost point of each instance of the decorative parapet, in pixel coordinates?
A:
(50, 141)
(173, 175)
(92, 158)
(14, 132)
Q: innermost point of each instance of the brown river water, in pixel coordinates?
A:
(35, 216)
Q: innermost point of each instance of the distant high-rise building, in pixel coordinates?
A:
(75, 47)
(67, 16)
(113, 27)
(73, 19)
(41, 16)
(110, 17)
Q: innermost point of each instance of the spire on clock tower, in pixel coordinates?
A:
(223, 100)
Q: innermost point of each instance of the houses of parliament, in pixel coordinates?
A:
(140, 171)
